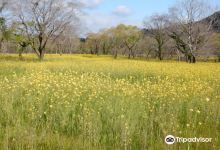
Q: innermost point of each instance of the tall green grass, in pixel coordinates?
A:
(88, 102)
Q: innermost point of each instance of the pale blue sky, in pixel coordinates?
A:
(106, 13)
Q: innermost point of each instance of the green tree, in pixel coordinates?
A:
(131, 38)
(93, 43)
(22, 42)
(116, 36)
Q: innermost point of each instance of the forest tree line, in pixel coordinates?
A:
(186, 32)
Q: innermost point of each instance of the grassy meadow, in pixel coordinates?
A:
(84, 102)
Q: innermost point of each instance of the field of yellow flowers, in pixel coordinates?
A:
(88, 102)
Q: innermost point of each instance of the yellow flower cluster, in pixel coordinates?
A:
(108, 103)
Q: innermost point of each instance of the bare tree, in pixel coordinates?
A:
(189, 31)
(44, 20)
(146, 45)
(156, 27)
(116, 38)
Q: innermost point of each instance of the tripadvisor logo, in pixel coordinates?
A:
(170, 139)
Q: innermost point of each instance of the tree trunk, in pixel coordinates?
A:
(1, 42)
(20, 52)
(160, 51)
(104, 49)
(160, 55)
(41, 54)
(133, 54)
(191, 58)
(116, 54)
(148, 54)
(129, 55)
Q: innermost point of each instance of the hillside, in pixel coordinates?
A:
(214, 21)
